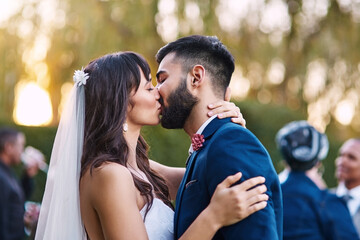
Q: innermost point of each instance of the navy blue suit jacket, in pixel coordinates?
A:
(228, 149)
(314, 214)
(12, 201)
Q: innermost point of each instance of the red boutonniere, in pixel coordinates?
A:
(197, 141)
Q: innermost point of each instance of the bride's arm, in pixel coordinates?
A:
(172, 176)
(228, 205)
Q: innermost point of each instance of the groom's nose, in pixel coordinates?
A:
(158, 87)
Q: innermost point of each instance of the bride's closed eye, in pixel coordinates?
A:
(149, 87)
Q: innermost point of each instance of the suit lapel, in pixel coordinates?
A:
(208, 132)
(179, 195)
(213, 126)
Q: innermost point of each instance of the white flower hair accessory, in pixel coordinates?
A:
(80, 77)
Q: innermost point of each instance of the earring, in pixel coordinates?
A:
(125, 127)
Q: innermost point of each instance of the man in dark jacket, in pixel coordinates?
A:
(309, 212)
(13, 194)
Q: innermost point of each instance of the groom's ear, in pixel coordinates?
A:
(197, 75)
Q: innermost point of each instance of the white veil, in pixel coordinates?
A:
(60, 210)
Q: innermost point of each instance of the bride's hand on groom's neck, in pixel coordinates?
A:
(225, 109)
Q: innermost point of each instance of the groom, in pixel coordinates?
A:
(193, 72)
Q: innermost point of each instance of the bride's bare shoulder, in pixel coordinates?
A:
(108, 175)
(111, 168)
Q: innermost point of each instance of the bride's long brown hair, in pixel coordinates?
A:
(107, 96)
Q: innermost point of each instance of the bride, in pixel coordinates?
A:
(101, 184)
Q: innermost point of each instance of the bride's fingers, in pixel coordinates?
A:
(224, 109)
(230, 113)
(258, 198)
(256, 207)
(230, 180)
(246, 207)
(250, 183)
(256, 191)
(223, 105)
(216, 105)
(239, 120)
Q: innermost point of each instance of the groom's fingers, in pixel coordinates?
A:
(230, 180)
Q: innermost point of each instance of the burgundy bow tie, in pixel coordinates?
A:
(197, 141)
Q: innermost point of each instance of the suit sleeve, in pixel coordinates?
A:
(237, 150)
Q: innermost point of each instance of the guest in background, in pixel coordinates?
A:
(310, 212)
(13, 193)
(348, 175)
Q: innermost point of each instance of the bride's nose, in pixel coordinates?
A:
(157, 94)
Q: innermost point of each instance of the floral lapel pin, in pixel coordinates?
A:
(197, 141)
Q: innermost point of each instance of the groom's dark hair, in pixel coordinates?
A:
(207, 51)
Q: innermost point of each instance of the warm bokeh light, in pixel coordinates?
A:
(315, 79)
(65, 93)
(344, 112)
(276, 72)
(8, 8)
(167, 22)
(281, 61)
(32, 105)
(239, 85)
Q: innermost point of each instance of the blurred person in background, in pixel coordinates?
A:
(33, 160)
(348, 175)
(310, 210)
(13, 193)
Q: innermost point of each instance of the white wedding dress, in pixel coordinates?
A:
(159, 221)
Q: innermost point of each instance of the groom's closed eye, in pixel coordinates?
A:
(160, 77)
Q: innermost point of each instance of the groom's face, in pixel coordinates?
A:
(175, 98)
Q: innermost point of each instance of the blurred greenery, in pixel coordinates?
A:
(294, 60)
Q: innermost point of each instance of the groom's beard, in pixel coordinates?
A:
(180, 104)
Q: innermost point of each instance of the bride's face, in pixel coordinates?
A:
(145, 108)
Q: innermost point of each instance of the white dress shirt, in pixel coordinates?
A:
(354, 202)
(200, 130)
